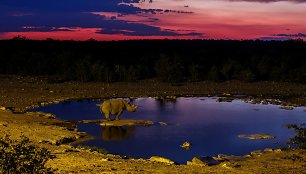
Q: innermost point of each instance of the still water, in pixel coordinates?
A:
(210, 126)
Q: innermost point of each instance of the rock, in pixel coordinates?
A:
(3, 124)
(2, 108)
(256, 136)
(162, 160)
(71, 150)
(256, 153)
(226, 94)
(50, 116)
(105, 159)
(43, 141)
(222, 157)
(229, 165)
(162, 123)
(186, 145)
(227, 99)
(171, 97)
(277, 150)
(203, 161)
(226, 165)
(126, 123)
(287, 107)
(265, 102)
(124, 157)
(275, 102)
(268, 150)
(42, 114)
(247, 156)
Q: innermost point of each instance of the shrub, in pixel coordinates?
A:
(20, 156)
(299, 140)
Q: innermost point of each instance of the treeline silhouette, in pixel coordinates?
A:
(168, 60)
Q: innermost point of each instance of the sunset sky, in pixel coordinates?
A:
(159, 19)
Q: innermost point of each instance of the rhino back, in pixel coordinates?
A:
(113, 106)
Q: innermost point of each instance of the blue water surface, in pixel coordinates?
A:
(210, 126)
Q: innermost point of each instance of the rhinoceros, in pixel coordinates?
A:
(115, 107)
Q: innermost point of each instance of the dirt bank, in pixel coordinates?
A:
(22, 92)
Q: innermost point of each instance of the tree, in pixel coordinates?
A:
(170, 69)
(214, 74)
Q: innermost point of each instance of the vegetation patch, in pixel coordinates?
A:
(171, 61)
(294, 157)
(21, 156)
(299, 140)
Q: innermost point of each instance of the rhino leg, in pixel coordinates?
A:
(118, 115)
(107, 117)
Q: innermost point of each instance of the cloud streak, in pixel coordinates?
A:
(54, 15)
(269, 1)
(292, 35)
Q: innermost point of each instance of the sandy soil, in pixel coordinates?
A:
(19, 93)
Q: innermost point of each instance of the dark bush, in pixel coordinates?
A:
(299, 140)
(20, 156)
(170, 69)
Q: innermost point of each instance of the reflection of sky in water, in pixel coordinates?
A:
(138, 19)
(211, 127)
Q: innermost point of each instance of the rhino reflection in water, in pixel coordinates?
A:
(116, 107)
(116, 133)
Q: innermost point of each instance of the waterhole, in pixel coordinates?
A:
(211, 127)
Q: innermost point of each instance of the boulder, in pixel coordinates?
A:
(186, 145)
(203, 161)
(127, 123)
(162, 160)
(287, 107)
(119, 122)
(256, 153)
(162, 123)
(256, 136)
(222, 157)
(229, 165)
(268, 150)
(226, 99)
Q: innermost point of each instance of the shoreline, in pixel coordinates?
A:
(21, 93)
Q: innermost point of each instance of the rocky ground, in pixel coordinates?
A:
(19, 93)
